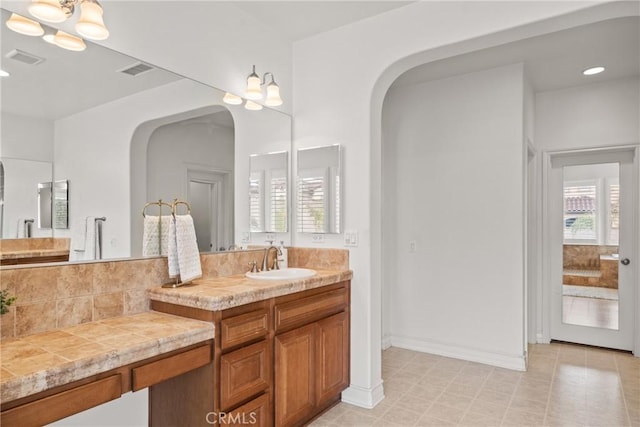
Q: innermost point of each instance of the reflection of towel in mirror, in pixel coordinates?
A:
(20, 233)
(155, 235)
(184, 256)
(83, 239)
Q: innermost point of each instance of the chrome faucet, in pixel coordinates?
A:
(265, 258)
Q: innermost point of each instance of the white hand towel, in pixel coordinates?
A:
(187, 245)
(172, 256)
(88, 252)
(78, 234)
(155, 236)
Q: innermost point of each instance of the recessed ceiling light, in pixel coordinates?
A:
(593, 70)
(4, 73)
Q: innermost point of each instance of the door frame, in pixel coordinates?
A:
(544, 285)
(224, 177)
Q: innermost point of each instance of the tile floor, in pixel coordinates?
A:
(565, 385)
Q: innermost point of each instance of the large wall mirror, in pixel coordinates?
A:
(123, 133)
(319, 190)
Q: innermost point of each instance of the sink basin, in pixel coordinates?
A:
(284, 274)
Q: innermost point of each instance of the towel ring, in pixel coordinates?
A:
(159, 203)
(175, 207)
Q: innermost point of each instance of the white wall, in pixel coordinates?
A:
(459, 192)
(339, 83)
(26, 138)
(602, 114)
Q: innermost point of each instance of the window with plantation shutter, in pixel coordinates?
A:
(614, 214)
(256, 216)
(278, 202)
(312, 201)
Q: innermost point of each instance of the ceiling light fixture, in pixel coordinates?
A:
(254, 92)
(593, 70)
(25, 26)
(90, 24)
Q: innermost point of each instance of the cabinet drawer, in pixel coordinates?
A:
(305, 310)
(255, 413)
(244, 328)
(64, 404)
(169, 367)
(244, 373)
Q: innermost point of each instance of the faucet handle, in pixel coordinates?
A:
(253, 267)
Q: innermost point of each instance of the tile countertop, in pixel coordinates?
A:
(35, 363)
(220, 293)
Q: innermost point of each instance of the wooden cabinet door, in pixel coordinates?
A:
(295, 382)
(332, 358)
(244, 373)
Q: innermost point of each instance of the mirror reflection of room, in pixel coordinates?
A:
(591, 225)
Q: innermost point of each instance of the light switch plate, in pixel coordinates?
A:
(351, 238)
(270, 237)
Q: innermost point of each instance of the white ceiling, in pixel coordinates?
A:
(298, 19)
(552, 61)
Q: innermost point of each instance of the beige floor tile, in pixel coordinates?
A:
(566, 385)
(352, 418)
(478, 420)
(456, 401)
(489, 410)
(445, 413)
(398, 415)
(519, 418)
(429, 421)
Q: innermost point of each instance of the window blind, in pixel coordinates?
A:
(255, 203)
(278, 205)
(312, 203)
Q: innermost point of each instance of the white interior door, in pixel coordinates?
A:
(590, 244)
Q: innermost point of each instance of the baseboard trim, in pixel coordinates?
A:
(514, 362)
(386, 342)
(362, 396)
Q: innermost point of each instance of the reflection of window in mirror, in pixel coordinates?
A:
(268, 195)
(319, 195)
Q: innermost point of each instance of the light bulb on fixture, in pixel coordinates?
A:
(253, 106)
(69, 42)
(91, 25)
(4, 73)
(231, 99)
(25, 26)
(273, 94)
(48, 11)
(253, 86)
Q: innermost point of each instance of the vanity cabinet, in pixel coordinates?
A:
(69, 399)
(278, 362)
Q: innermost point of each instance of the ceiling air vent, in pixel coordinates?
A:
(24, 57)
(136, 69)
